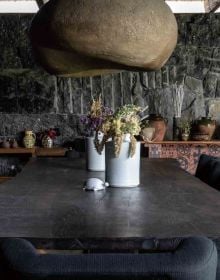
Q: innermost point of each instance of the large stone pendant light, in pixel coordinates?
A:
(93, 37)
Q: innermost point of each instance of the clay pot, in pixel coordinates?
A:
(160, 125)
(5, 144)
(14, 144)
(206, 126)
(148, 134)
(185, 136)
(47, 141)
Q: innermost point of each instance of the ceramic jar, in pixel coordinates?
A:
(5, 144)
(185, 136)
(160, 125)
(206, 126)
(147, 134)
(14, 144)
(122, 171)
(47, 141)
(94, 160)
(29, 139)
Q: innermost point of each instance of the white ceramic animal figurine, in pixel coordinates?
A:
(95, 184)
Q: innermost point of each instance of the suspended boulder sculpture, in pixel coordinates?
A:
(93, 37)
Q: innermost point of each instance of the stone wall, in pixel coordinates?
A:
(32, 99)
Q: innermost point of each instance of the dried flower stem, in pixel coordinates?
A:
(178, 96)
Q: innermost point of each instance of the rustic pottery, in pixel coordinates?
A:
(148, 134)
(206, 126)
(47, 141)
(29, 139)
(185, 136)
(200, 137)
(5, 144)
(124, 170)
(14, 144)
(160, 125)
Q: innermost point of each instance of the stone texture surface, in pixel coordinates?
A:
(70, 39)
(27, 93)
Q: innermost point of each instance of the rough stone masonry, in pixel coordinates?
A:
(32, 99)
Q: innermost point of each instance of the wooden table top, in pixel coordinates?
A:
(46, 202)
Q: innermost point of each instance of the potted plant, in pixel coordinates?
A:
(185, 129)
(122, 149)
(92, 122)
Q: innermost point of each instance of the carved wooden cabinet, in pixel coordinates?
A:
(187, 153)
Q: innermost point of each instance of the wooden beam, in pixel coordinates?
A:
(211, 5)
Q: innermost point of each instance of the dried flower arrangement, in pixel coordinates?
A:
(124, 121)
(97, 114)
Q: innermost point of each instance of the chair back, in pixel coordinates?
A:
(208, 170)
(193, 258)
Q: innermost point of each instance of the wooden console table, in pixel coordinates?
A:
(186, 152)
(36, 151)
(31, 152)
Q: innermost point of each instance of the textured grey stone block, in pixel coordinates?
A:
(14, 42)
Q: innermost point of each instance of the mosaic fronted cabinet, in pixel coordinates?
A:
(186, 153)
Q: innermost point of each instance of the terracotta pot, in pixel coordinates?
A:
(160, 125)
(206, 126)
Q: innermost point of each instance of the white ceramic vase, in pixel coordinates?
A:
(123, 171)
(94, 161)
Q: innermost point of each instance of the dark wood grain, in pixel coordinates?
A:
(47, 203)
(50, 152)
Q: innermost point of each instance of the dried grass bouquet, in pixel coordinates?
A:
(96, 116)
(124, 121)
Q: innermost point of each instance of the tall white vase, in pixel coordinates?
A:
(94, 161)
(123, 171)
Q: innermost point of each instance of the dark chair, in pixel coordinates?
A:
(193, 258)
(208, 170)
(217, 243)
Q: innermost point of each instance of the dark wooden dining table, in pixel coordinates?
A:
(46, 203)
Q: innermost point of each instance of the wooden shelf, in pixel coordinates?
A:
(17, 151)
(36, 151)
(4, 179)
(50, 152)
